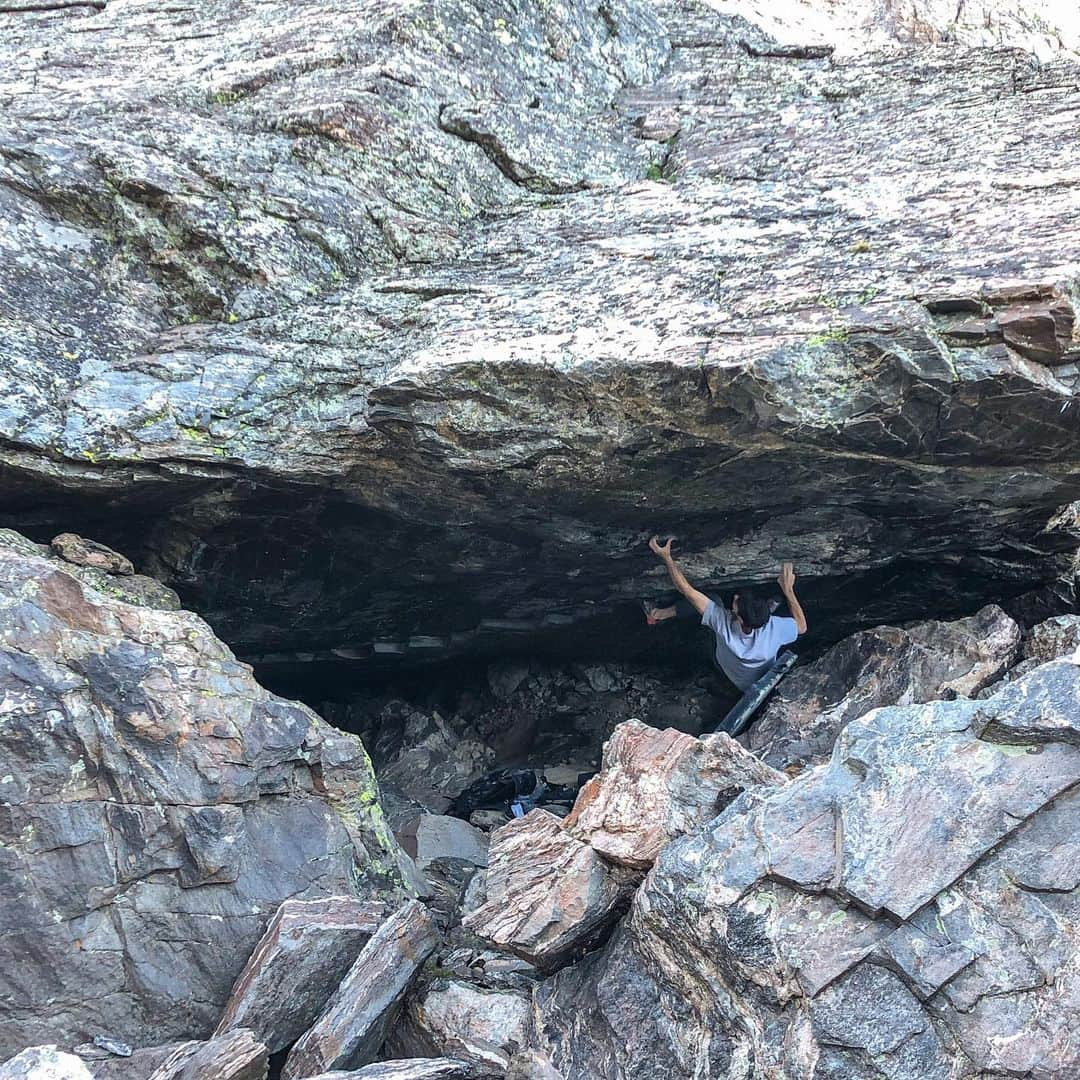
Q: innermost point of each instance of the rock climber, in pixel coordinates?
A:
(749, 636)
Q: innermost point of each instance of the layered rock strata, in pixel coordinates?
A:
(908, 909)
(157, 807)
(305, 279)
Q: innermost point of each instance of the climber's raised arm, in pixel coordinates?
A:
(786, 581)
(698, 599)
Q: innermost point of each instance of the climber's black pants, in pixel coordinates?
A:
(685, 610)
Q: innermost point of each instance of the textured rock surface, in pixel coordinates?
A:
(910, 909)
(306, 951)
(547, 895)
(44, 1063)
(463, 1020)
(1059, 636)
(354, 1023)
(532, 1065)
(431, 838)
(418, 755)
(236, 1055)
(83, 552)
(158, 805)
(657, 785)
(410, 1069)
(305, 276)
(140, 1066)
(883, 666)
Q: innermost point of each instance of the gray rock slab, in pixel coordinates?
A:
(236, 1055)
(1037, 708)
(354, 1023)
(431, 837)
(303, 956)
(156, 801)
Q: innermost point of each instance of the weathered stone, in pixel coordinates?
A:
(506, 676)
(306, 951)
(137, 589)
(656, 785)
(1042, 332)
(1041, 707)
(446, 852)
(924, 964)
(352, 1026)
(83, 552)
(487, 968)
(411, 1069)
(548, 895)
(883, 666)
(44, 1063)
(487, 820)
(140, 1066)
(433, 837)
(909, 909)
(236, 1055)
(427, 761)
(532, 1065)
(548, 152)
(156, 801)
(277, 278)
(1054, 638)
(458, 1019)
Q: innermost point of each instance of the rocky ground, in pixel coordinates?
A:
(382, 335)
(189, 857)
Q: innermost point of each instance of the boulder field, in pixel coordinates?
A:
(200, 881)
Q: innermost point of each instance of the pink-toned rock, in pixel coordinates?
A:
(656, 785)
(548, 894)
(306, 951)
(82, 552)
(1039, 330)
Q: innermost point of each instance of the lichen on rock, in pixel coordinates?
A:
(158, 805)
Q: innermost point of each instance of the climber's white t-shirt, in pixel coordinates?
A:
(744, 658)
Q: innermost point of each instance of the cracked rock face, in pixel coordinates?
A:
(394, 330)
(884, 666)
(656, 785)
(548, 897)
(909, 909)
(157, 807)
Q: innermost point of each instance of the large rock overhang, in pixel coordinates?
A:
(782, 306)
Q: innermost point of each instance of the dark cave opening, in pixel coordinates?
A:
(351, 610)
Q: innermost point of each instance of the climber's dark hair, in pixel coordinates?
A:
(753, 608)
